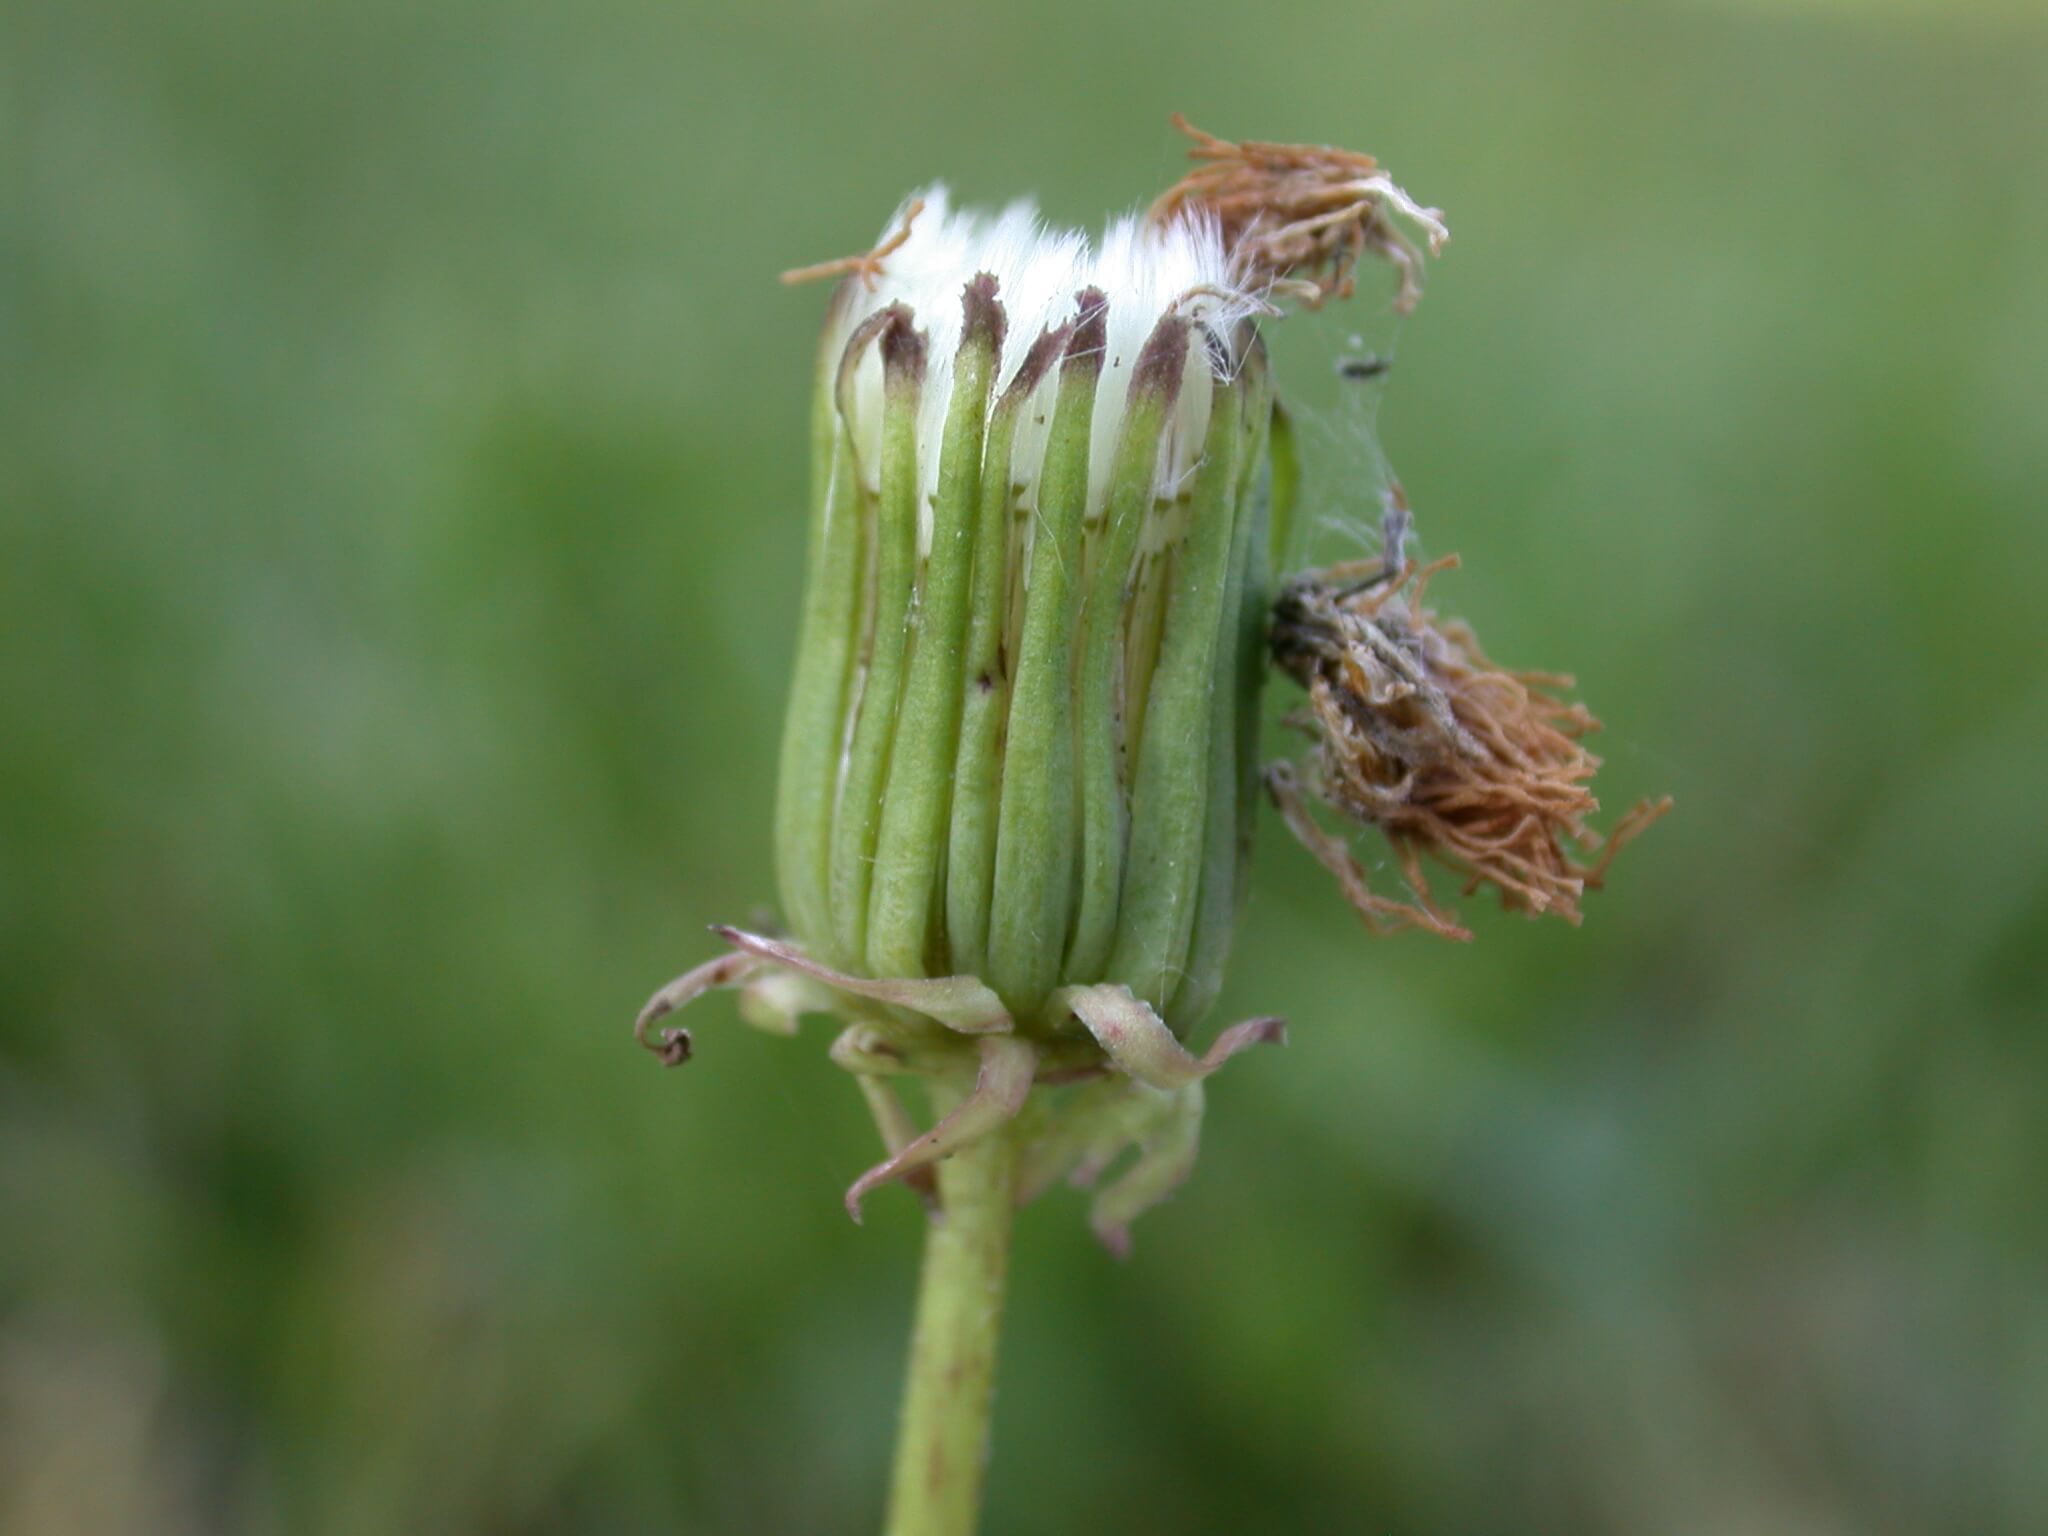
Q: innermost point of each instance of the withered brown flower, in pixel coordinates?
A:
(1419, 734)
(1296, 217)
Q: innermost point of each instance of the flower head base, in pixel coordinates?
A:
(1420, 735)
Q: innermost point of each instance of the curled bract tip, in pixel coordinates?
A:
(673, 1046)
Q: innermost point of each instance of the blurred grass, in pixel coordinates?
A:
(399, 459)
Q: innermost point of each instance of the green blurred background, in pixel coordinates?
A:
(401, 464)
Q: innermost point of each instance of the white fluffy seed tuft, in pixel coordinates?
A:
(1144, 269)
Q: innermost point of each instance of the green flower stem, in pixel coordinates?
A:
(942, 1441)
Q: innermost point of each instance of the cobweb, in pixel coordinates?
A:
(1336, 366)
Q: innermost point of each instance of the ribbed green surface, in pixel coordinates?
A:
(884, 651)
(911, 845)
(1022, 752)
(1170, 783)
(1101, 685)
(1036, 831)
(984, 708)
(817, 695)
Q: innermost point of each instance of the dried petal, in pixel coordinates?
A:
(1297, 217)
(961, 1003)
(1008, 1064)
(1166, 1156)
(1420, 735)
(1139, 1042)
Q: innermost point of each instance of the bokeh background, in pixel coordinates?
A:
(400, 484)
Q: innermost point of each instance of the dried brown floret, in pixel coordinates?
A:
(869, 265)
(1420, 735)
(1296, 217)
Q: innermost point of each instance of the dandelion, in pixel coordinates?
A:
(1020, 764)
